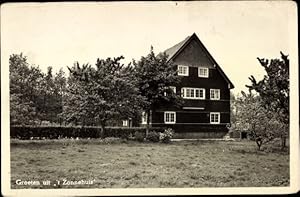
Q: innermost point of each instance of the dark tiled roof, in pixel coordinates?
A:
(171, 51)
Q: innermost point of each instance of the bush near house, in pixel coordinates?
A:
(53, 132)
(153, 136)
(56, 132)
(139, 136)
(167, 135)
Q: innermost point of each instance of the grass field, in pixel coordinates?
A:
(137, 165)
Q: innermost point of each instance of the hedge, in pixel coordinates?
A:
(55, 132)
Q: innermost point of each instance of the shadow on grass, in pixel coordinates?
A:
(264, 150)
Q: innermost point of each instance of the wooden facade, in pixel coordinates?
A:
(203, 117)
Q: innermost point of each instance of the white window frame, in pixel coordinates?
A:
(215, 92)
(165, 117)
(125, 123)
(183, 74)
(173, 88)
(207, 72)
(192, 91)
(144, 118)
(210, 117)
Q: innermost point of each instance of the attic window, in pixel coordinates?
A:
(183, 70)
(203, 72)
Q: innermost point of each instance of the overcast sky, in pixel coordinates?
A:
(235, 33)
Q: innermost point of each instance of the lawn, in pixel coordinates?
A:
(138, 165)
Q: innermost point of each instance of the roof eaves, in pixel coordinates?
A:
(215, 62)
(174, 50)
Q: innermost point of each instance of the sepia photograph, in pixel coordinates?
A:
(149, 98)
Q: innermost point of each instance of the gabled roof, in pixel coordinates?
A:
(176, 49)
(171, 51)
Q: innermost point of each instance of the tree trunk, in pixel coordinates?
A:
(62, 108)
(148, 121)
(259, 145)
(283, 143)
(149, 117)
(102, 127)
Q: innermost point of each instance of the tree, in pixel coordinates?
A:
(155, 75)
(254, 117)
(47, 98)
(21, 112)
(233, 109)
(24, 90)
(274, 90)
(96, 95)
(60, 82)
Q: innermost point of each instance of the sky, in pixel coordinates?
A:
(235, 33)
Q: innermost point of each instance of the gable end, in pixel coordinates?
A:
(174, 51)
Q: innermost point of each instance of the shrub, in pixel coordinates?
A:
(53, 132)
(58, 132)
(139, 136)
(166, 136)
(153, 136)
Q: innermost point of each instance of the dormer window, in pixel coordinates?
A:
(183, 70)
(203, 72)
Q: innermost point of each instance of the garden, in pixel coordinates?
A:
(119, 163)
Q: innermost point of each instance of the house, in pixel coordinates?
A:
(206, 92)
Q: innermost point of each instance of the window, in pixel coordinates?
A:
(144, 118)
(173, 88)
(203, 72)
(214, 118)
(193, 93)
(170, 117)
(187, 92)
(198, 93)
(214, 94)
(183, 70)
(125, 123)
